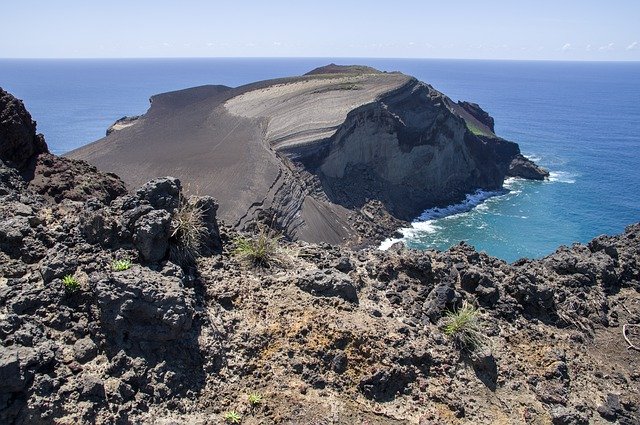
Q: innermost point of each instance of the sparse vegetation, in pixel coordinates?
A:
(262, 250)
(70, 283)
(188, 231)
(464, 327)
(255, 399)
(232, 417)
(121, 265)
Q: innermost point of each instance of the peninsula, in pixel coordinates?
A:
(342, 154)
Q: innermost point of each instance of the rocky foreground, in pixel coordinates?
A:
(318, 154)
(108, 316)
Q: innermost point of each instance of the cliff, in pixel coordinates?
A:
(310, 153)
(137, 307)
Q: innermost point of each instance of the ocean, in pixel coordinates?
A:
(581, 120)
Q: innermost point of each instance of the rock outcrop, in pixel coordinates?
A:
(19, 142)
(122, 123)
(308, 154)
(523, 167)
(357, 336)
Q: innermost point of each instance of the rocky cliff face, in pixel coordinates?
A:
(410, 150)
(326, 334)
(311, 153)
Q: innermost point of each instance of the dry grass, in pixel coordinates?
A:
(463, 325)
(188, 232)
(261, 250)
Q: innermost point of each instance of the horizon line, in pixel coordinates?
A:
(322, 57)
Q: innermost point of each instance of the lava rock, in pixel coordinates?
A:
(328, 283)
(162, 193)
(18, 139)
(151, 236)
(143, 305)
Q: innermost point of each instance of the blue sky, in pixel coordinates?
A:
(488, 29)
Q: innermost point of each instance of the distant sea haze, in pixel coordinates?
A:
(580, 120)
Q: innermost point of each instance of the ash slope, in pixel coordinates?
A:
(329, 335)
(321, 153)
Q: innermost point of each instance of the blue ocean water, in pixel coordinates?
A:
(580, 120)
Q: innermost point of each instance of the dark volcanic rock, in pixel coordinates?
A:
(122, 123)
(161, 193)
(18, 139)
(138, 305)
(523, 167)
(328, 283)
(61, 178)
(478, 113)
(151, 236)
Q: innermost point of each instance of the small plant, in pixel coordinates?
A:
(188, 232)
(255, 399)
(232, 417)
(121, 265)
(464, 327)
(70, 283)
(261, 250)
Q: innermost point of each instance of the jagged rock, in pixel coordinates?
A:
(122, 123)
(562, 415)
(386, 384)
(151, 236)
(18, 139)
(611, 407)
(328, 283)
(11, 375)
(140, 305)
(523, 167)
(478, 113)
(162, 193)
(60, 179)
(440, 298)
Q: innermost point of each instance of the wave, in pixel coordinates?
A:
(562, 177)
(471, 201)
(425, 222)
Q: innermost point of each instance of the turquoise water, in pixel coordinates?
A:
(580, 120)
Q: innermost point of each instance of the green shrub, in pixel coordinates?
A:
(232, 417)
(464, 327)
(121, 265)
(255, 399)
(70, 283)
(188, 231)
(261, 250)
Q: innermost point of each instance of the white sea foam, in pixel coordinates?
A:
(562, 177)
(386, 244)
(470, 202)
(426, 222)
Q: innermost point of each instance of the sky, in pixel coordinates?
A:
(464, 29)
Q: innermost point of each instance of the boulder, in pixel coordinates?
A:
(523, 167)
(162, 193)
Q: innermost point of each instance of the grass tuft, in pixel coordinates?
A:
(70, 283)
(188, 232)
(232, 417)
(261, 250)
(255, 399)
(463, 325)
(121, 265)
